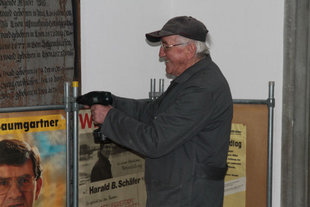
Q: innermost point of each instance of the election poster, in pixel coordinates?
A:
(109, 175)
(45, 131)
(120, 180)
(235, 180)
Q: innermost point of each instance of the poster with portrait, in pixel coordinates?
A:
(47, 132)
(121, 180)
(109, 174)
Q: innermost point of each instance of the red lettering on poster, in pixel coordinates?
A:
(86, 120)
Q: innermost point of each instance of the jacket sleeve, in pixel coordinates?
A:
(135, 108)
(187, 114)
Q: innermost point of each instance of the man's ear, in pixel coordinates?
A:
(39, 183)
(191, 50)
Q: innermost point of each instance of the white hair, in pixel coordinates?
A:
(201, 47)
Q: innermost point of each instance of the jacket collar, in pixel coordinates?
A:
(189, 72)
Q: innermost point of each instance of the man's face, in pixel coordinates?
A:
(107, 150)
(18, 186)
(175, 57)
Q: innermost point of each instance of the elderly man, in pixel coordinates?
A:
(184, 134)
(20, 174)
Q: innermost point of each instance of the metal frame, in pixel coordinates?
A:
(68, 142)
(75, 132)
(270, 102)
(153, 94)
(70, 106)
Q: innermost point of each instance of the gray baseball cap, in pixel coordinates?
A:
(185, 26)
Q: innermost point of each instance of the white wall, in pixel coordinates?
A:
(247, 45)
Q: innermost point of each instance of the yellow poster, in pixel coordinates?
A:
(45, 136)
(235, 180)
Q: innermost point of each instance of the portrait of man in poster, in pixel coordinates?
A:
(20, 173)
(102, 168)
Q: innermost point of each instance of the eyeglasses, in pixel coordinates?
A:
(24, 183)
(166, 47)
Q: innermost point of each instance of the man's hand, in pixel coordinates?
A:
(99, 112)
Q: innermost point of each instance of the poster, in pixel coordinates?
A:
(109, 175)
(123, 185)
(47, 132)
(36, 51)
(235, 180)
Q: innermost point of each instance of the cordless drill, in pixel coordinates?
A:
(97, 97)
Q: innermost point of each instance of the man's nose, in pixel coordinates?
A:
(162, 52)
(14, 191)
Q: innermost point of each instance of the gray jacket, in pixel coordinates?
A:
(183, 135)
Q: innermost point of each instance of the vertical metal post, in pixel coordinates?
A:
(162, 87)
(68, 141)
(154, 89)
(271, 104)
(75, 110)
(151, 94)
